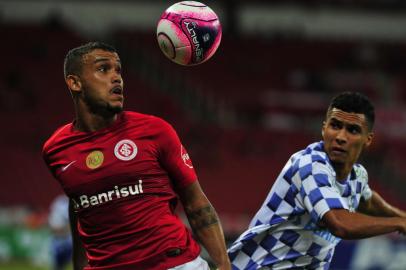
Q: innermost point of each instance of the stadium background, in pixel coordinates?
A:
(241, 115)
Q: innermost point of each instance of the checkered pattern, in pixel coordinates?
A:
(284, 233)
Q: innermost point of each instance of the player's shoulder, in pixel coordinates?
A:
(142, 117)
(359, 166)
(136, 116)
(149, 121)
(313, 154)
(57, 136)
(311, 160)
(359, 172)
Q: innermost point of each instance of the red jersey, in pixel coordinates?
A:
(122, 180)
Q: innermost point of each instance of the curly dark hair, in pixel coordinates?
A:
(354, 102)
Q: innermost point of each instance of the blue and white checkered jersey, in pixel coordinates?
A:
(285, 233)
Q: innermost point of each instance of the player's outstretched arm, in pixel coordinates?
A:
(348, 225)
(377, 206)
(205, 224)
(79, 254)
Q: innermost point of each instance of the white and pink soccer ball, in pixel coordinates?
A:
(189, 33)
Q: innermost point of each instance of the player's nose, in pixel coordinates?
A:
(341, 136)
(116, 78)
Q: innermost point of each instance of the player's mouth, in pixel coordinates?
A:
(117, 90)
(338, 151)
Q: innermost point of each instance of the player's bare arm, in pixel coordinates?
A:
(79, 254)
(202, 218)
(377, 206)
(349, 225)
(205, 224)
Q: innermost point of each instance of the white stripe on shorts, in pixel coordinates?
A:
(196, 264)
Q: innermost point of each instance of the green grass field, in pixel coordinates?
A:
(22, 265)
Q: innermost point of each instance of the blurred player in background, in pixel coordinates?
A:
(321, 196)
(61, 240)
(123, 172)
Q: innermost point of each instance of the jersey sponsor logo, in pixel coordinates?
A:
(64, 168)
(94, 159)
(125, 150)
(86, 201)
(185, 157)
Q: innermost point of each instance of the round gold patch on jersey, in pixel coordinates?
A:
(94, 159)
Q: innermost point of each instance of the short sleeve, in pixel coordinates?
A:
(174, 157)
(317, 191)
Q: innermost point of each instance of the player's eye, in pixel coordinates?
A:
(354, 129)
(335, 125)
(103, 68)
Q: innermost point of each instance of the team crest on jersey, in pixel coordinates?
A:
(185, 157)
(94, 159)
(125, 150)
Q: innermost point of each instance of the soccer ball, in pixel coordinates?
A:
(189, 33)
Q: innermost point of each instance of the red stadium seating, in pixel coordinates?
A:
(236, 162)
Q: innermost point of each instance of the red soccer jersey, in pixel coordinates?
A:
(122, 180)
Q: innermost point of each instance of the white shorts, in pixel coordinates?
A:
(196, 264)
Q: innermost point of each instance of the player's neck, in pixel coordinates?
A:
(89, 122)
(342, 171)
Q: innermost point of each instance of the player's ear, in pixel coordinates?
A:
(73, 83)
(369, 139)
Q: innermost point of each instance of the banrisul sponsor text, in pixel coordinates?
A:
(85, 201)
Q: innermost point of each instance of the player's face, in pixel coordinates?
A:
(101, 82)
(345, 135)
